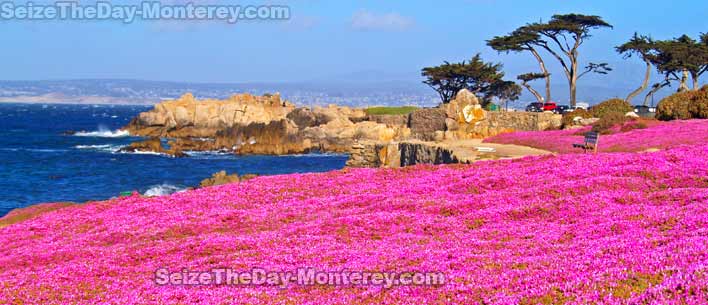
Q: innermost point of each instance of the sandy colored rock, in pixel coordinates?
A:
(219, 178)
(189, 117)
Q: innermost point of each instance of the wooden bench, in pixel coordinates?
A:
(591, 141)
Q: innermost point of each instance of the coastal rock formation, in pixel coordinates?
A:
(219, 179)
(467, 120)
(189, 117)
(392, 155)
(303, 118)
(389, 119)
(421, 153)
(425, 122)
(153, 145)
(246, 124)
(274, 138)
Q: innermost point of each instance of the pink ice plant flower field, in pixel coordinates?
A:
(659, 135)
(614, 228)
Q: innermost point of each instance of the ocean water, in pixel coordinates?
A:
(39, 164)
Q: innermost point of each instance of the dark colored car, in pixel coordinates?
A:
(561, 109)
(535, 107)
(645, 111)
(549, 106)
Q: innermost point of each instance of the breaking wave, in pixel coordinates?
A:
(103, 132)
(103, 147)
(162, 190)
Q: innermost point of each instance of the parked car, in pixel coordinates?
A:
(535, 107)
(561, 109)
(645, 111)
(584, 106)
(549, 106)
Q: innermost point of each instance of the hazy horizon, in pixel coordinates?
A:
(323, 42)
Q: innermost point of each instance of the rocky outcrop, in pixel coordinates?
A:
(221, 178)
(425, 122)
(246, 124)
(392, 155)
(153, 145)
(303, 118)
(274, 138)
(373, 154)
(389, 119)
(467, 120)
(189, 117)
(423, 153)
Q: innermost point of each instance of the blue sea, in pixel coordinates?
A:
(39, 163)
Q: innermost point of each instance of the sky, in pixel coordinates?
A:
(329, 41)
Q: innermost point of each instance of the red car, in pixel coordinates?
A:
(550, 106)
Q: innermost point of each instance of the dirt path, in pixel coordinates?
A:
(467, 150)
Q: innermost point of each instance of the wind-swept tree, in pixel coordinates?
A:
(658, 86)
(474, 75)
(529, 77)
(642, 47)
(504, 91)
(562, 37)
(682, 57)
(523, 40)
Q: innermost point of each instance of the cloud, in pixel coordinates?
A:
(364, 20)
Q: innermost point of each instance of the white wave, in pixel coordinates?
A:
(103, 147)
(103, 132)
(194, 153)
(162, 190)
(144, 152)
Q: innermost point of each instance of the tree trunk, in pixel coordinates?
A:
(535, 93)
(573, 81)
(542, 64)
(694, 76)
(654, 90)
(641, 88)
(684, 80)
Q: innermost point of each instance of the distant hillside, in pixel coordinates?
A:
(316, 92)
(119, 91)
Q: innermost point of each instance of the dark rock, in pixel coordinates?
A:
(425, 122)
(421, 153)
(303, 118)
(153, 145)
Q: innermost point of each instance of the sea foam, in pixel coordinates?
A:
(162, 190)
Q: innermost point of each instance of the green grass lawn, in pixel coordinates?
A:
(390, 110)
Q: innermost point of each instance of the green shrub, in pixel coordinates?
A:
(390, 110)
(699, 104)
(674, 107)
(609, 120)
(684, 105)
(570, 116)
(610, 106)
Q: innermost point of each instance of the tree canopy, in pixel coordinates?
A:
(680, 57)
(645, 48)
(475, 75)
(562, 36)
(524, 40)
